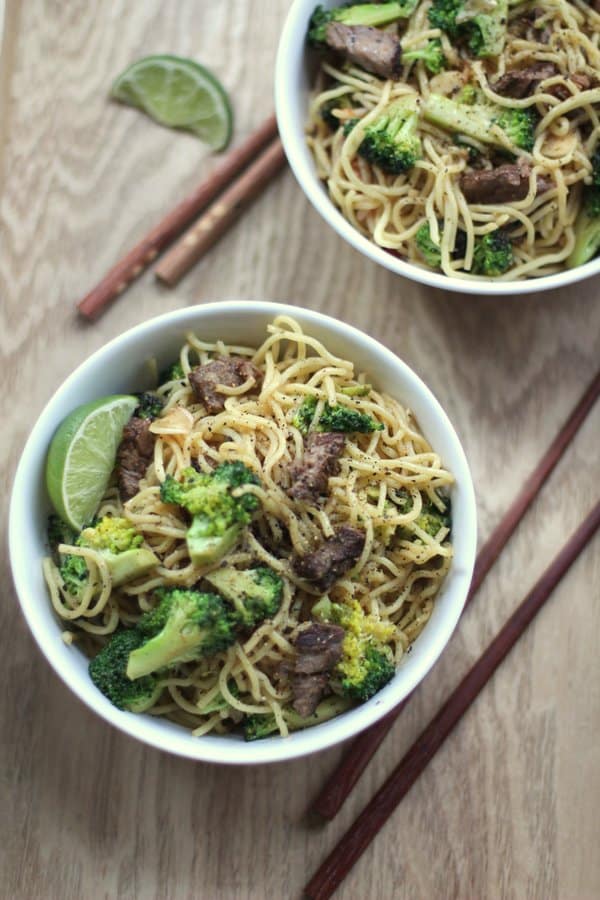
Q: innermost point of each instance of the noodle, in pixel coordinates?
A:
(395, 579)
(389, 209)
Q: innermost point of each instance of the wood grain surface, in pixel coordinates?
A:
(509, 807)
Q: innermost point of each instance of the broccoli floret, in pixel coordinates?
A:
(116, 539)
(392, 141)
(479, 25)
(59, 533)
(186, 625)
(478, 120)
(492, 254)
(255, 593)
(259, 726)
(367, 662)
(431, 519)
(150, 405)
(74, 573)
(432, 55)
(174, 372)
(217, 516)
(219, 703)
(430, 252)
(357, 390)
(587, 228)
(332, 418)
(369, 14)
(108, 672)
(335, 103)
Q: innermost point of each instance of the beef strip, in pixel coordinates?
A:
(582, 81)
(134, 455)
(332, 559)
(230, 371)
(319, 648)
(373, 50)
(521, 83)
(500, 185)
(310, 474)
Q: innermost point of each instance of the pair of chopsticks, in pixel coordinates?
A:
(377, 811)
(259, 158)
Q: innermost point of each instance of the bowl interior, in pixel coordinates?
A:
(294, 77)
(123, 365)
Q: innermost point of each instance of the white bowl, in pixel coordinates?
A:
(293, 85)
(120, 366)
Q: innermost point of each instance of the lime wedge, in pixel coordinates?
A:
(179, 93)
(82, 456)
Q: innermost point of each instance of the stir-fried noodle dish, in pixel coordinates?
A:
(269, 545)
(462, 135)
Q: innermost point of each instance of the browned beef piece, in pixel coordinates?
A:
(134, 455)
(582, 81)
(521, 83)
(230, 371)
(373, 50)
(319, 648)
(500, 185)
(311, 473)
(333, 558)
(307, 691)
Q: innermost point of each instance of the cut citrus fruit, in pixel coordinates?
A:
(82, 456)
(179, 93)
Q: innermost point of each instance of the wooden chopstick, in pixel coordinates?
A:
(221, 215)
(118, 279)
(342, 780)
(362, 831)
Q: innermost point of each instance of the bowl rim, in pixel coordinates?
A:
(291, 51)
(178, 740)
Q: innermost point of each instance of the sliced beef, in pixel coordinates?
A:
(373, 50)
(230, 371)
(332, 559)
(521, 83)
(310, 474)
(134, 455)
(319, 648)
(582, 81)
(500, 185)
(307, 691)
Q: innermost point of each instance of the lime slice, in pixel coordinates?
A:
(178, 93)
(82, 456)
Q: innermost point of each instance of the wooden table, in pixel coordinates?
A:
(509, 807)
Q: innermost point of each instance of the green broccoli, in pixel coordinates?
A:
(476, 23)
(107, 671)
(332, 418)
(116, 539)
(367, 14)
(59, 533)
(431, 54)
(186, 625)
(326, 111)
(587, 228)
(477, 121)
(255, 593)
(219, 703)
(430, 251)
(392, 141)
(74, 573)
(174, 372)
(217, 516)
(150, 405)
(367, 662)
(357, 390)
(259, 725)
(492, 254)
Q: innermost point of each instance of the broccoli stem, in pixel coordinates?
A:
(367, 14)
(481, 122)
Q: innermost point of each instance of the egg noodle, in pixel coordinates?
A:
(395, 579)
(389, 209)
